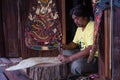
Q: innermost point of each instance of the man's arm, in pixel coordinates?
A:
(75, 56)
(70, 46)
(81, 54)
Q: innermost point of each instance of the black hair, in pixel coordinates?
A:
(80, 11)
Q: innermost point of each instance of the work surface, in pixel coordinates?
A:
(32, 72)
(11, 75)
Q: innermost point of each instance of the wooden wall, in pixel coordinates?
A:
(11, 27)
(116, 44)
(104, 46)
(107, 42)
(14, 14)
(26, 52)
(1, 34)
(109, 57)
(101, 50)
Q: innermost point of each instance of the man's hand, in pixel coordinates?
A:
(64, 59)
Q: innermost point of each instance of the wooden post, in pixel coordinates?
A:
(107, 29)
(63, 21)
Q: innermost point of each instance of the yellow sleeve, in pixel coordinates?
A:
(90, 36)
(90, 39)
(76, 37)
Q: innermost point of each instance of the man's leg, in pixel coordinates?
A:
(81, 66)
(69, 53)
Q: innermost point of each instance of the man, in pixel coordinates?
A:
(84, 40)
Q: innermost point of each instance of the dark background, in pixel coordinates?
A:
(70, 26)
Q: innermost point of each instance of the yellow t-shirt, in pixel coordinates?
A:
(85, 38)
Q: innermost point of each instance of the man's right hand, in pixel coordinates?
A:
(64, 59)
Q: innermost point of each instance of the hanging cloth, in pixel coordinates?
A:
(98, 9)
(43, 28)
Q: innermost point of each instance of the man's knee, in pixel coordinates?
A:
(76, 68)
(81, 66)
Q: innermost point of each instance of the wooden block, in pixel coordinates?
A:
(55, 72)
(16, 75)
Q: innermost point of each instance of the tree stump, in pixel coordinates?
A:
(48, 72)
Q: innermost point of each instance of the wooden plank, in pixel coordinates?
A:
(13, 75)
(63, 21)
(10, 20)
(2, 77)
(24, 7)
(116, 46)
(101, 49)
(16, 75)
(7, 74)
(2, 50)
(107, 43)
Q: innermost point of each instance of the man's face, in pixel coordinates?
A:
(79, 21)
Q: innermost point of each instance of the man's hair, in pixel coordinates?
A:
(80, 11)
